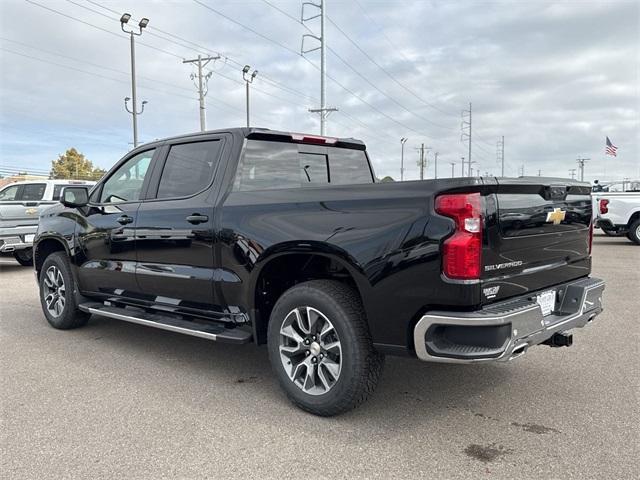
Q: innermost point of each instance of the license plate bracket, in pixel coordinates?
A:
(547, 301)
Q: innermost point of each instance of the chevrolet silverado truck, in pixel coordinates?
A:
(20, 206)
(284, 239)
(618, 213)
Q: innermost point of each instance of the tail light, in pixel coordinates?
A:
(603, 205)
(462, 252)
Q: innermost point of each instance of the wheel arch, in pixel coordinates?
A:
(45, 247)
(307, 261)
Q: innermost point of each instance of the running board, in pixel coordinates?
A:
(195, 328)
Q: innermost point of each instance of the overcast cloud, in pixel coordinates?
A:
(553, 77)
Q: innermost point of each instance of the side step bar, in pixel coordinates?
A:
(196, 328)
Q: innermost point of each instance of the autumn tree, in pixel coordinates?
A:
(73, 164)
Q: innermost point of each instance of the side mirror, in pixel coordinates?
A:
(75, 196)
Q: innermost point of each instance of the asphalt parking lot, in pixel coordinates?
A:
(117, 400)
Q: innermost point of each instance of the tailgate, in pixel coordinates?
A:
(19, 213)
(538, 235)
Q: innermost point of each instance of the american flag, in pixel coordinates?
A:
(610, 149)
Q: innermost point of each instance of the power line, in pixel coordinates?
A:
(121, 36)
(232, 107)
(389, 74)
(354, 70)
(96, 65)
(333, 79)
(69, 17)
(118, 35)
(255, 32)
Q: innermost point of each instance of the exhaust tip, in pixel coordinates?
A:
(518, 351)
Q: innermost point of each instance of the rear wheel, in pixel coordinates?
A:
(24, 257)
(57, 295)
(634, 232)
(320, 348)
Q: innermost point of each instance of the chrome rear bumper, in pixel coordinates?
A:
(505, 330)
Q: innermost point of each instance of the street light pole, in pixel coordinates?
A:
(134, 110)
(453, 166)
(247, 80)
(403, 140)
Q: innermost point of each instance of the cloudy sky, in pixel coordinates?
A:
(553, 77)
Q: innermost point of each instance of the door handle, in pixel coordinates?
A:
(196, 218)
(124, 219)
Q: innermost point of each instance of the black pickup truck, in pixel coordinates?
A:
(252, 235)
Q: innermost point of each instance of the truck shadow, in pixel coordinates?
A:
(406, 384)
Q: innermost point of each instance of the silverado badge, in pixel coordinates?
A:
(491, 292)
(31, 211)
(556, 216)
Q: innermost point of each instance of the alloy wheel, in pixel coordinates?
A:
(310, 350)
(54, 291)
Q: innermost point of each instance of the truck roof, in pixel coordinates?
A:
(54, 182)
(267, 134)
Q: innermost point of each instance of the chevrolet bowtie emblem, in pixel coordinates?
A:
(556, 216)
(31, 211)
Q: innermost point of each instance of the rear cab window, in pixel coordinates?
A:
(268, 165)
(32, 192)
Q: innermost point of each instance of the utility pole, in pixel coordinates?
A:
(572, 172)
(539, 172)
(465, 131)
(462, 172)
(453, 166)
(435, 165)
(324, 111)
(201, 84)
(403, 140)
(581, 166)
(500, 154)
(134, 110)
(248, 79)
(422, 161)
(521, 170)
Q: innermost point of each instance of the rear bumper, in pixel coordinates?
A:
(505, 330)
(17, 238)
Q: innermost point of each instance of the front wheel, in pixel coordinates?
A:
(24, 257)
(57, 295)
(634, 232)
(320, 348)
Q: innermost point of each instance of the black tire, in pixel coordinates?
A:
(69, 315)
(361, 365)
(24, 257)
(634, 232)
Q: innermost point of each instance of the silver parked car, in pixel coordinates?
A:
(21, 203)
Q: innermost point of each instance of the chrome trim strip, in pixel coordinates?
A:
(149, 323)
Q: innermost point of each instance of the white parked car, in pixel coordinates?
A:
(20, 206)
(618, 213)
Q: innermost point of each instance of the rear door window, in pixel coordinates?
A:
(189, 168)
(32, 192)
